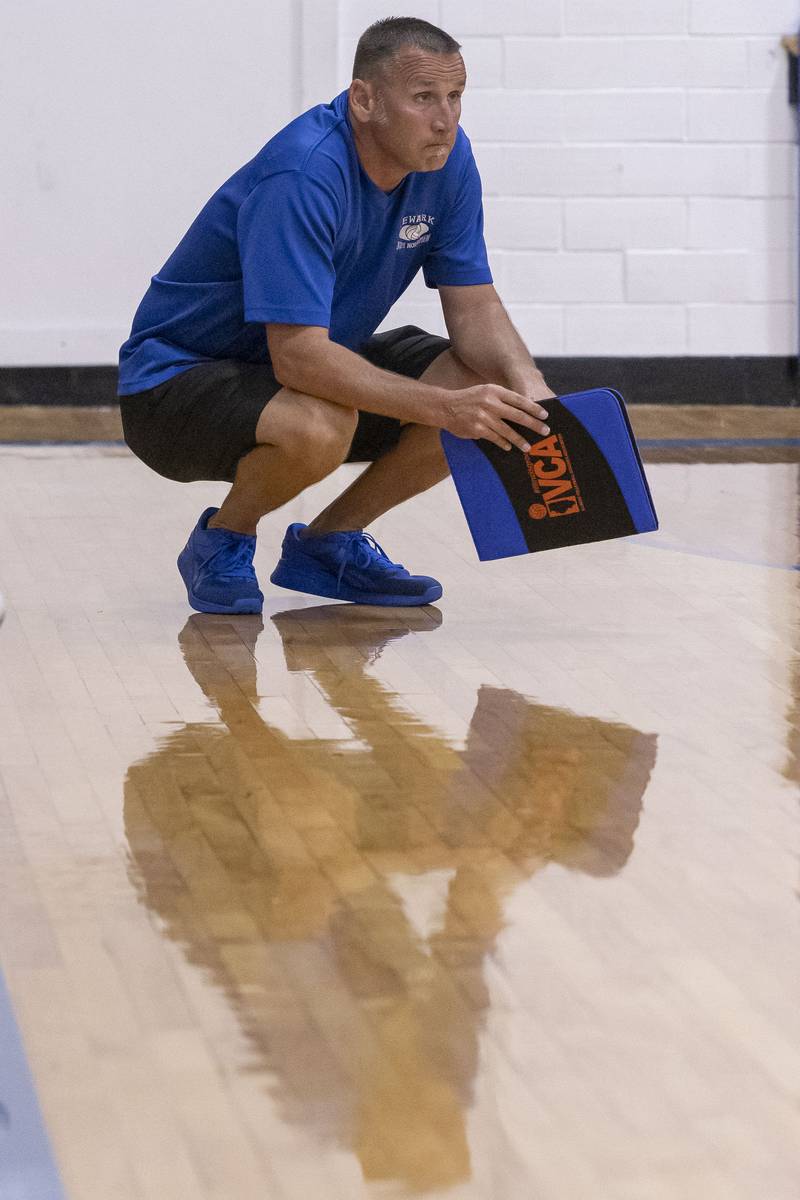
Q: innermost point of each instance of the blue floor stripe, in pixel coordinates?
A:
(650, 442)
(61, 442)
(27, 1167)
(705, 441)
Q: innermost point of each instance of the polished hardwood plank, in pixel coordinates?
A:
(489, 900)
(59, 423)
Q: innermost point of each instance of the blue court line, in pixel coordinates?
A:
(60, 442)
(27, 1167)
(648, 442)
(703, 441)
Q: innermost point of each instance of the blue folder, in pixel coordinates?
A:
(584, 482)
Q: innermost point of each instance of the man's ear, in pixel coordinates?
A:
(363, 99)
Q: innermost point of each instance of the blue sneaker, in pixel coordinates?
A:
(217, 567)
(348, 566)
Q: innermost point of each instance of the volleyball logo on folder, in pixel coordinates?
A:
(584, 482)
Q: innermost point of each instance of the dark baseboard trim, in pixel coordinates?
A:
(768, 380)
(765, 380)
(88, 387)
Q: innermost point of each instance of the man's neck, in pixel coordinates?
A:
(384, 173)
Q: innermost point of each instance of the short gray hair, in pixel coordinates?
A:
(385, 38)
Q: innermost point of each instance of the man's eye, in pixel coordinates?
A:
(423, 96)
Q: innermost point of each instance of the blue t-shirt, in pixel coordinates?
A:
(301, 235)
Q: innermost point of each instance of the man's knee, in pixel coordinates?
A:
(325, 435)
(316, 433)
(448, 371)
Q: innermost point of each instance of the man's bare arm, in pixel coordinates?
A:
(484, 338)
(306, 360)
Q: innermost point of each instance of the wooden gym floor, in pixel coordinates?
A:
(495, 900)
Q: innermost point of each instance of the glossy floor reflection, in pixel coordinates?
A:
(491, 901)
(346, 894)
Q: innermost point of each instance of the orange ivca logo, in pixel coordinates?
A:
(553, 480)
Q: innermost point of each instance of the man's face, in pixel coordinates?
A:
(418, 109)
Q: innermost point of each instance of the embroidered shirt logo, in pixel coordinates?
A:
(414, 230)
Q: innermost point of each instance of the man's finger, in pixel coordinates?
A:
(522, 418)
(527, 405)
(489, 435)
(514, 438)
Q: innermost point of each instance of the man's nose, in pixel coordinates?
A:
(442, 118)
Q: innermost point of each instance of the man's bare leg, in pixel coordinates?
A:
(301, 440)
(415, 464)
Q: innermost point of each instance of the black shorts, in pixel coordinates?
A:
(199, 424)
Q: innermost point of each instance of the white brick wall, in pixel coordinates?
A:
(462, 17)
(485, 58)
(645, 329)
(751, 116)
(638, 160)
(521, 223)
(740, 328)
(100, 180)
(639, 167)
(624, 116)
(771, 170)
(657, 62)
(742, 16)
(625, 17)
(512, 116)
(656, 276)
(625, 224)
(562, 277)
(724, 223)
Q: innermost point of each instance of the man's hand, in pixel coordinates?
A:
(483, 412)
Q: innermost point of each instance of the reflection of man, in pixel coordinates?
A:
(253, 359)
(366, 883)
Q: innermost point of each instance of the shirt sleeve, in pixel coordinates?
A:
(286, 231)
(458, 250)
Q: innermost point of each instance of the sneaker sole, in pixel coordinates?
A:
(237, 609)
(321, 585)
